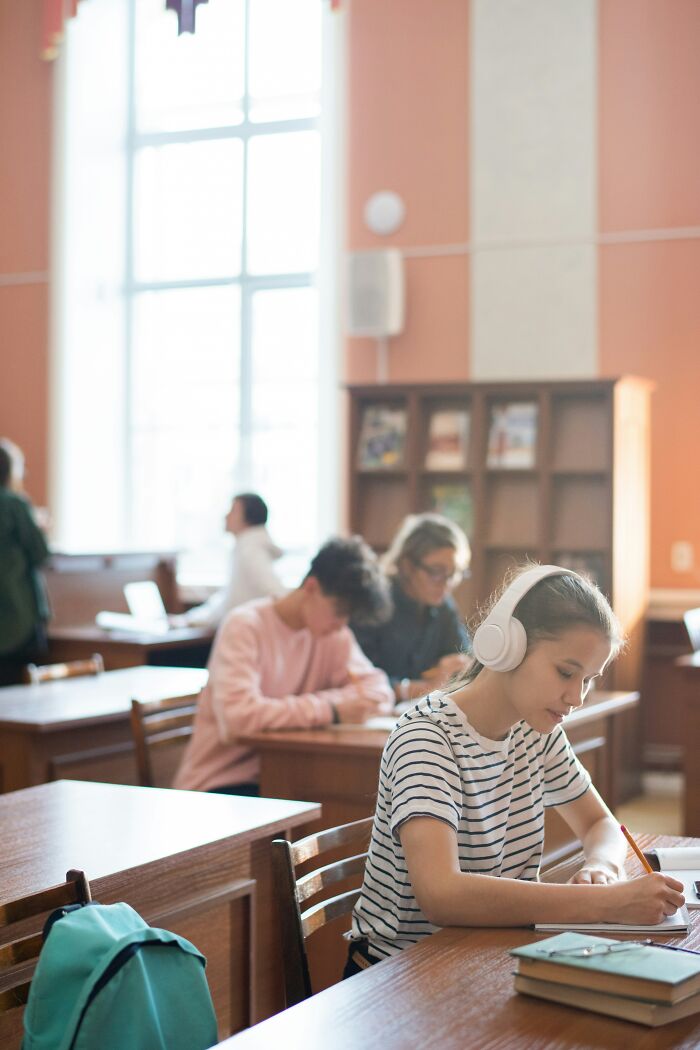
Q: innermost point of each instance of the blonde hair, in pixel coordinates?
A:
(420, 535)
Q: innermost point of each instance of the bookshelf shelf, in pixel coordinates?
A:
(557, 496)
(382, 472)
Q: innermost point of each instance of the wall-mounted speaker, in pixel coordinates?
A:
(375, 293)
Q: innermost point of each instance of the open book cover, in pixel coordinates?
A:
(682, 863)
(454, 501)
(448, 440)
(512, 436)
(382, 438)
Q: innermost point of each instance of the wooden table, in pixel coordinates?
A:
(690, 667)
(172, 855)
(181, 646)
(453, 991)
(79, 727)
(340, 767)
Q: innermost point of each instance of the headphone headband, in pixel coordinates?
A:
(522, 584)
(500, 642)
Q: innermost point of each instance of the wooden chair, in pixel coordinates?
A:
(292, 891)
(159, 724)
(20, 945)
(52, 672)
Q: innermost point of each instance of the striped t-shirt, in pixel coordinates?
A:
(492, 792)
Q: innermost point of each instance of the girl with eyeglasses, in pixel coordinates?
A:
(425, 642)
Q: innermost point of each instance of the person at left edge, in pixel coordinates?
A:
(288, 663)
(23, 549)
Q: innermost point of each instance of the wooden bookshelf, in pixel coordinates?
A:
(579, 496)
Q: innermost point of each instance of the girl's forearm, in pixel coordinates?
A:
(486, 900)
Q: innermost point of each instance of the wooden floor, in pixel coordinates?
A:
(659, 809)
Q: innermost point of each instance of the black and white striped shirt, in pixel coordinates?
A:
(491, 792)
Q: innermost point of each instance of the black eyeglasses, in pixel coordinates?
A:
(440, 575)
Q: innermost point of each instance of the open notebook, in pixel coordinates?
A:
(682, 863)
(679, 922)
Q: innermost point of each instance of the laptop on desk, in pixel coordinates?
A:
(147, 612)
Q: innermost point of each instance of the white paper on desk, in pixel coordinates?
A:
(679, 922)
(115, 621)
(385, 722)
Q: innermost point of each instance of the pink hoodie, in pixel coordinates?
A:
(265, 675)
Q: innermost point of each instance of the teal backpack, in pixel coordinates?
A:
(106, 980)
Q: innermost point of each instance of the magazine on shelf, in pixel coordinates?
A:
(448, 440)
(454, 501)
(512, 436)
(382, 438)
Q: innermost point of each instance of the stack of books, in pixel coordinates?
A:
(646, 983)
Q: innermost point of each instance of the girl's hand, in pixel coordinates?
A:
(644, 901)
(596, 873)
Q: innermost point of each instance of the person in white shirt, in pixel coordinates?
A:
(251, 573)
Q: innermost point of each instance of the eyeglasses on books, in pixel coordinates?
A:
(588, 950)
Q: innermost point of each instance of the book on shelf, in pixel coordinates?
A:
(453, 501)
(682, 863)
(679, 922)
(448, 440)
(639, 971)
(512, 436)
(382, 438)
(639, 1010)
(590, 564)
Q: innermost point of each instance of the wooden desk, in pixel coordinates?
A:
(690, 668)
(340, 767)
(181, 647)
(80, 727)
(453, 991)
(81, 585)
(171, 855)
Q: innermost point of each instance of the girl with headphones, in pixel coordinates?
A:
(467, 774)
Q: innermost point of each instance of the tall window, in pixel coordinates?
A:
(219, 373)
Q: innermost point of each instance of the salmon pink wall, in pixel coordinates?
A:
(25, 127)
(408, 108)
(649, 292)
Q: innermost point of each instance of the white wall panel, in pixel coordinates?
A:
(533, 183)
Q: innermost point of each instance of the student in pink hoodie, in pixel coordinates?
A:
(289, 663)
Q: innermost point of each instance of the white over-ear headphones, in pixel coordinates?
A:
(500, 642)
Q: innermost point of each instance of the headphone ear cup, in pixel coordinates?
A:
(489, 643)
(516, 648)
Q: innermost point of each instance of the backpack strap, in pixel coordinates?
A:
(59, 913)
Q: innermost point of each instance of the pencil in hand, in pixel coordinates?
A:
(642, 859)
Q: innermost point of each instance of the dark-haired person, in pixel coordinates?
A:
(425, 640)
(251, 573)
(23, 549)
(289, 663)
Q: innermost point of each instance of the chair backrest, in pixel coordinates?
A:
(20, 944)
(35, 675)
(691, 619)
(157, 724)
(293, 891)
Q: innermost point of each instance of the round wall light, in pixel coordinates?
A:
(384, 212)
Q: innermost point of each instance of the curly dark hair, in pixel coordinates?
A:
(347, 570)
